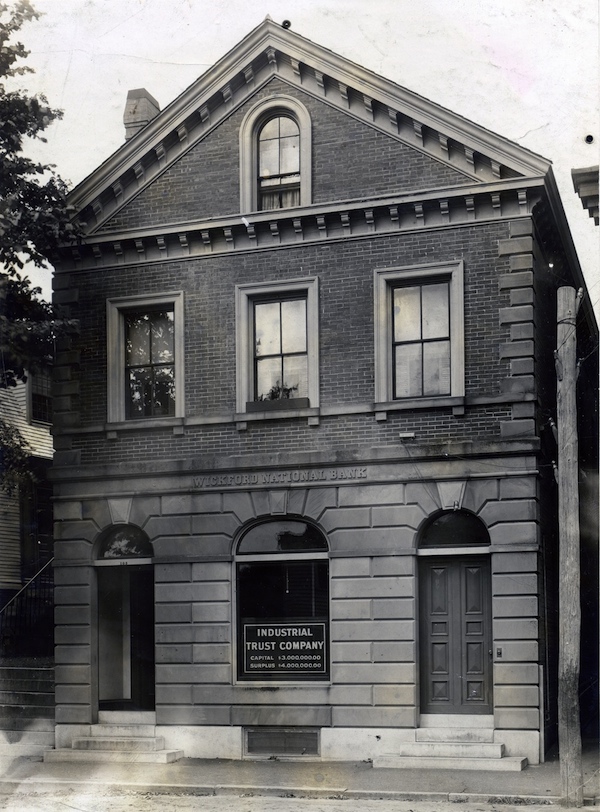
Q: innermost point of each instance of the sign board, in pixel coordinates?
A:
(284, 649)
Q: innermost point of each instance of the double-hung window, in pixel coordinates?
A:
(279, 164)
(277, 345)
(280, 349)
(419, 343)
(145, 357)
(40, 389)
(149, 362)
(421, 360)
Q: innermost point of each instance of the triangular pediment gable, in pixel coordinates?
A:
(481, 156)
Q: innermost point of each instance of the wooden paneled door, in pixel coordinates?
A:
(455, 635)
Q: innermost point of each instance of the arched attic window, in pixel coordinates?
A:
(278, 164)
(275, 156)
(453, 528)
(123, 541)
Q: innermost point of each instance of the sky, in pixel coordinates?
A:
(525, 69)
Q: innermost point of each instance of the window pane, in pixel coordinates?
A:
(268, 158)
(126, 541)
(281, 536)
(273, 183)
(270, 129)
(137, 339)
(41, 396)
(436, 321)
(164, 391)
(436, 368)
(269, 201)
(268, 379)
(295, 376)
(293, 321)
(279, 164)
(300, 588)
(445, 529)
(289, 155)
(287, 127)
(267, 328)
(408, 371)
(41, 408)
(139, 392)
(407, 314)
(289, 198)
(162, 338)
(283, 591)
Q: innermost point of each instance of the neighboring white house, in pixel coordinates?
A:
(26, 515)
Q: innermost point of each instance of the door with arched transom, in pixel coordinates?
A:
(125, 591)
(455, 616)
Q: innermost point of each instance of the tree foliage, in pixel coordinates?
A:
(34, 221)
(34, 216)
(15, 465)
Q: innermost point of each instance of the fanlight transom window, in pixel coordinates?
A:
(124, 541)
(454, 528)
(282, 536)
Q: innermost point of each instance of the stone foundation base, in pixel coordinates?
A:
(336, 744)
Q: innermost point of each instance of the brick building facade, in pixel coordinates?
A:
(303, 477)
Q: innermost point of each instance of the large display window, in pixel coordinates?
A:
(283, 602)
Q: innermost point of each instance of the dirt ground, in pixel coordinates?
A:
(107, 801)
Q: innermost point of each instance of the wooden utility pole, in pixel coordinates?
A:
(569, 605)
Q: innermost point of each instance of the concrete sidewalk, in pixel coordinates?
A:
(536, 784)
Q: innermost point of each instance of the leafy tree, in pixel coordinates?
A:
(34, 221)
(15, 468)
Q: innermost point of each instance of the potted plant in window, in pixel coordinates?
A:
(279, 396)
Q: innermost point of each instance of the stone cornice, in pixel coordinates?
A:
(270, 50)
(585, 183)
(451, 207)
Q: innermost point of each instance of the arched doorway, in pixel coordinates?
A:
(455, 615)
(125, 583)
(282, 598)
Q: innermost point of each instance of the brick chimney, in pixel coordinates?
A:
(140, 108)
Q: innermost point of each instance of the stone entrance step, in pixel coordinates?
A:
(459, 747)
(127, 717)
(457, 720)
(457, 734)
(145, 744)
(505, 764)
(119, 730)
(120, 737)
(451, 750)
(120, 756)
